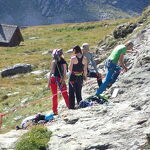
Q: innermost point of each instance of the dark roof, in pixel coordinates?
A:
(6, 32)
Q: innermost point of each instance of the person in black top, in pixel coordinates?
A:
(78, 69)
(57, 78)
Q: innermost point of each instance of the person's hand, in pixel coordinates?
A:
(125, 69)
(98, 74)
(137, 52)
(68, 74)
(49, 82)
(62, 80)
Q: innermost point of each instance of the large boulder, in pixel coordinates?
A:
(123, 30)
(16, 69)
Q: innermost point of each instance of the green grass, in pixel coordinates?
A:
(33, 87)
(36, 139)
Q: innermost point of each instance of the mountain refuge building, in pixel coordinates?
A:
(10, 35)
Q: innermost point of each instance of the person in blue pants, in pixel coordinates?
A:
(112, 66)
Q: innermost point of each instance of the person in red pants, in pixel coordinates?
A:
(57, 79)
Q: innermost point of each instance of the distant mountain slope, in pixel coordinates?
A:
(37, 12)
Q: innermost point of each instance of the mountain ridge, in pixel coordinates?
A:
(42, 12)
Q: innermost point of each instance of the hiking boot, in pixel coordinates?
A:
(18, 128)
(104, 96)
(77, 107)
(55, 113)
(98, 96)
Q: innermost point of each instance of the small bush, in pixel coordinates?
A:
(36, 139)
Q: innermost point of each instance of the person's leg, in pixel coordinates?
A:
(115, 75)
(53, 86)
(94, 75)
(99, 80)
(65, 94)
(71, 95)
(78, 88)
(106, 80)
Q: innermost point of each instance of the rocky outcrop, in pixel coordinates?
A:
(16, 69)
(8, 140)
(123, 30)
(121, 33)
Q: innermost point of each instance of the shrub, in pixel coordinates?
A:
(79, 28)
(123, 30)
(36, 139)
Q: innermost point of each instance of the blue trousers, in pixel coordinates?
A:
(111, 76)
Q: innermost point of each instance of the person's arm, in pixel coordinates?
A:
(52, 67)
(121, 62)
(93, 62)
(132, 51)
(95, 66)
(85, 67)
(64, 72)
(71, 64)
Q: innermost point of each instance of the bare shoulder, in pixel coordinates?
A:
(53, 62)
(73, 58)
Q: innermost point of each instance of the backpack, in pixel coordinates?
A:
(98, 99)
(91, 101)
(84, 103)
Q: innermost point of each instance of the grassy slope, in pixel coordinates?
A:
(34, 87)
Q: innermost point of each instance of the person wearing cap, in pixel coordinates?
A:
(89, 56)
(78, 69)
(116, 56)
(58, 71)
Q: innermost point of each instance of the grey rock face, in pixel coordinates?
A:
(8, 140)
(121, 126)
(16, 69)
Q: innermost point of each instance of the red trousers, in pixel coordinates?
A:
(54, 85)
